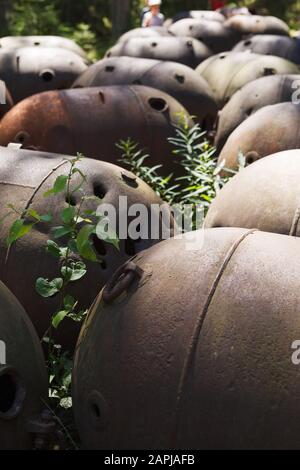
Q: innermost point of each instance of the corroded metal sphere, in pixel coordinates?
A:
(23, 378)
(205, 15)
(281, 46)
(31, 70)
(179, 351)
(252, 97)
(16, 42)
(256, 24)
(93, 120)
(214, 34)
(24, 178)
(152, 31)
(178, 80)
(264, 195)
(270, 130)
(227, 72)
(185, 50)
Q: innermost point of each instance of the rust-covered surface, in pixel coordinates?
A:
(185, 50)
(16, 42)
(24, 178)
(93, 120)
(31, 70)
(23, 378)
(256, 24)
(178, 80)
(264, 195)
(271, 44)
(192, 356)
(270, 130)
(227, 72)
(255, 95)
(214, 34)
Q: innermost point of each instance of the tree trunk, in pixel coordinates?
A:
(6, 6)
(120, 12)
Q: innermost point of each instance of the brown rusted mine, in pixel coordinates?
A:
(214, 34)
(32, 70)
(152, 31)
(185, 50)
(281, 46)
(227, 72)
(256, 24)
(15, 42)
(23, 378)
(270, 130)
(24, 178)
(254, 197)
(192, 357)
(252, 97)
(93, 120)
(205, 15)
(178, 80)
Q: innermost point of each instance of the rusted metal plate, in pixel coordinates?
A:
(254, 197)
(252, 97)
(281, 46)
(185, 50)
(178, 80)
(214, 34)
(23, 378)
(270, 130)
(93, 120)
(31, 70)
(256, 24)
(227, 72)
(24, 178)
(217, 353)
(16, 42)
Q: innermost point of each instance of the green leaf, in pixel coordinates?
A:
(33, 213)
(75, 271)
(53, 248)
(104, 232)
(69, 302)
(72, 245)
(58, 187)
(46, 288)
(18, 229)
(68, 215)
(58, 318)
(61, 231)
(46, 218)
(84, 244)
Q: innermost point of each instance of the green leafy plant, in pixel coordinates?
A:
(75, 232)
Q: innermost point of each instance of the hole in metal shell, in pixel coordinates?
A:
(47, 75)
(179, 78)
(12, 393)
(109, 68)
(158, 104)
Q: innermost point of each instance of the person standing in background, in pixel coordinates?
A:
(153, 17)
(217, 4)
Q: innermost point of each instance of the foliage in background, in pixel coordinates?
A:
(92, 23)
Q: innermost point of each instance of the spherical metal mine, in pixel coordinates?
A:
(93, 120)
(281, 46)
(198, 347)
(270, 130)
(25, 176)
(16, 42)
(185, 50)
(205, 15)
(256, 24)
(227, 72)
(152, 31)
(252, 97)
(214, 34)
(253, 198)
(31, 70)
(23, 378)
(178, 80)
